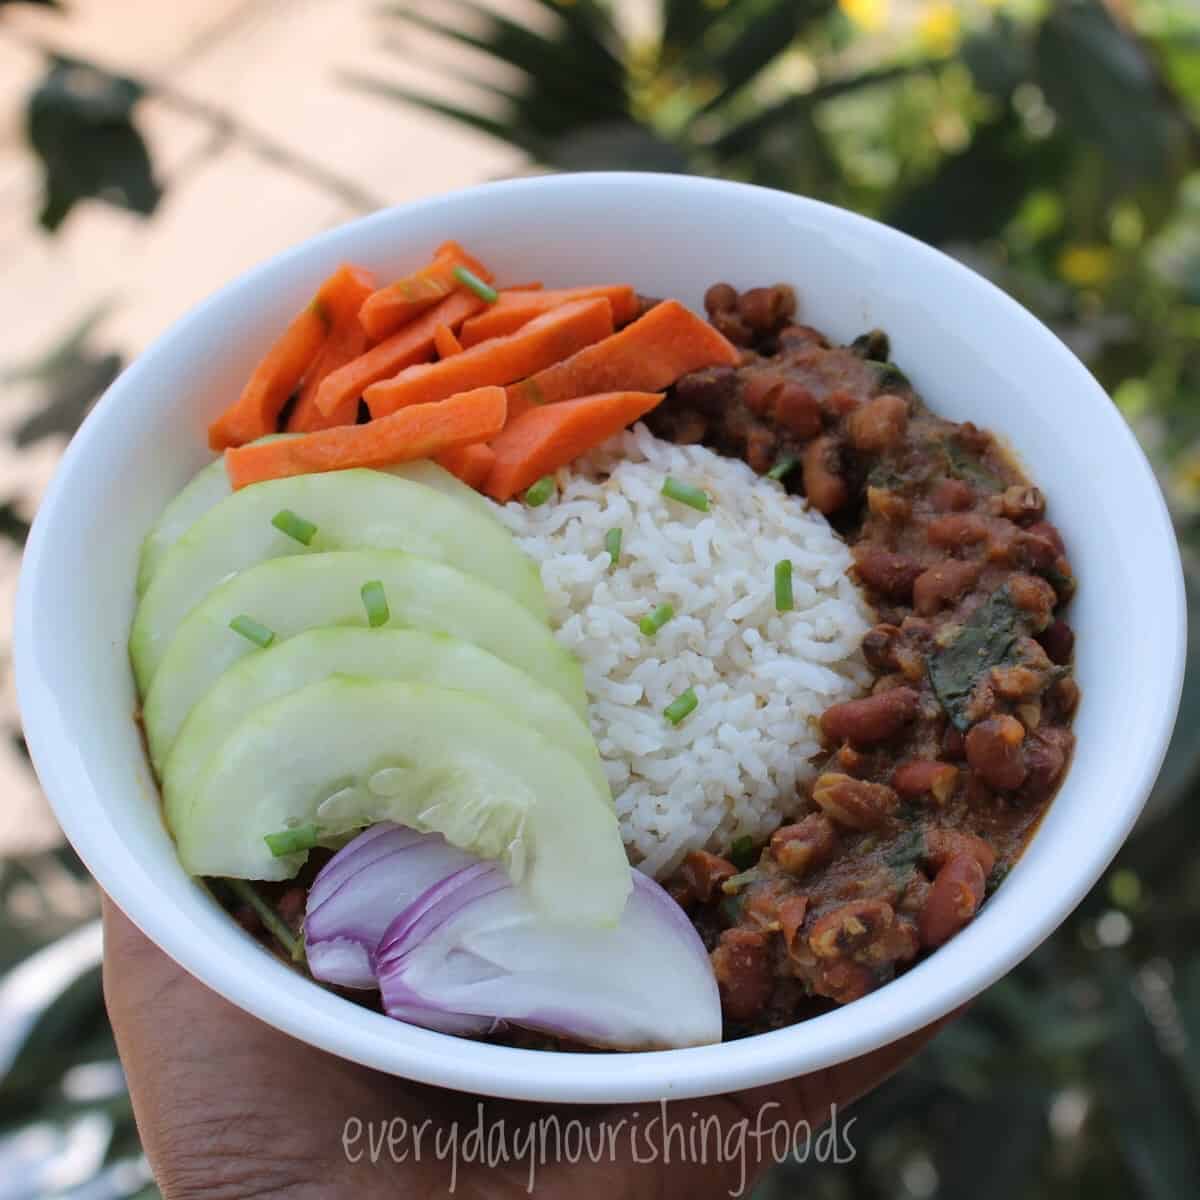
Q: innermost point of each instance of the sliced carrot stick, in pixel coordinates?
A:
(422, 431)
(444, 341)
(546, 339)
(412, 344)
(517, 306)
(544, 439)
(398, 303)
(346, 342)
(647, 356)
(255, 413)
(472, 464)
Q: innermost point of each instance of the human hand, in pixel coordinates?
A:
(230, 1109)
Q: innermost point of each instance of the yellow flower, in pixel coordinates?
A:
(939, 27)
(870, 15)
(1085, 266)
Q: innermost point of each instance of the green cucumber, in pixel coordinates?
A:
(308, 591)
(211, 485)
(349, 751)
(404, 654)
(351, 510)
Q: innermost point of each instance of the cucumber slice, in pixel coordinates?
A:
(351, 510)
(211, 485)
(402, 654)
(290, 595)
(431, 758)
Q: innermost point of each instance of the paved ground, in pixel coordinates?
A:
(311, 153)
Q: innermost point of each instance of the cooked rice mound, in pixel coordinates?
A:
(732, 767)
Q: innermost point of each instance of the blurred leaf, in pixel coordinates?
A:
(13, 526)
(616, 147)
(999, 60)
(1102, 87)
(80, 123)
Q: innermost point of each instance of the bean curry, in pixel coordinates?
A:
(931, 785)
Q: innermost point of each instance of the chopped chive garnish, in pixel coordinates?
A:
(612, 543)
(271, 920)
(654, 621)
(782, 467)
(741, 853)
(693, 497)
(540, 492)
(681, 706)
(783, 585)
(296, 527)
(374, 600)
(470, 280)
(252, 631)
(292, 841)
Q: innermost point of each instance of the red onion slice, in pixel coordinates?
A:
(359, 891)
(472, 944)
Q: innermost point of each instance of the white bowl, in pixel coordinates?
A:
(969, 349)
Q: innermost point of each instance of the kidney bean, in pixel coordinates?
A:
(1017, 683)
(880, 647)
(872, 719)
(729, 322)
(941, 845)
(954, 745)
(1046, 754)
(1058, 640)
(865, 931)
(823, 483)
(1049, 532)
(841, 402)
(854, 803)
(1022, 503)
(888, 573)
(888, 506)
(806, 845)
(759, 389)
(710, 391)
(1064, 693)
(721, 297)
(956, 530)
(766, 309)
(953, 900)
(879, 424)
(994, 752)
(938, 586)
(704, 873)
(925, 777)
(1033, 552)
(952, 495)
(798, 410)
(742, 967)
(762, 448)
(1034, 596)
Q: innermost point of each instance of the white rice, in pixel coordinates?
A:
(762, 677)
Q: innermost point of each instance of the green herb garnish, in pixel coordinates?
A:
(540, 492)
(252, 631)
(693, 497)
(292, 841)
(782, 467)
(681, 706)
(374, 600)
(295, 527)
(743, 852)
(612, 543)
(653, 622)
(271, 920)
(784, 601)
(470, 280)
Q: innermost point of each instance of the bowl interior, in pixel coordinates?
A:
(970, 351)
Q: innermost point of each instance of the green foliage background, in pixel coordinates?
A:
(1054, 145)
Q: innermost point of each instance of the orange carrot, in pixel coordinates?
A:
(422, 431)
(546, 339)
(346, 342)
(517, 306)
(395, 305)
(445, 342)
(647, 356)
(544, 439)
(412, 344)
(255, 413)
(472, 464)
